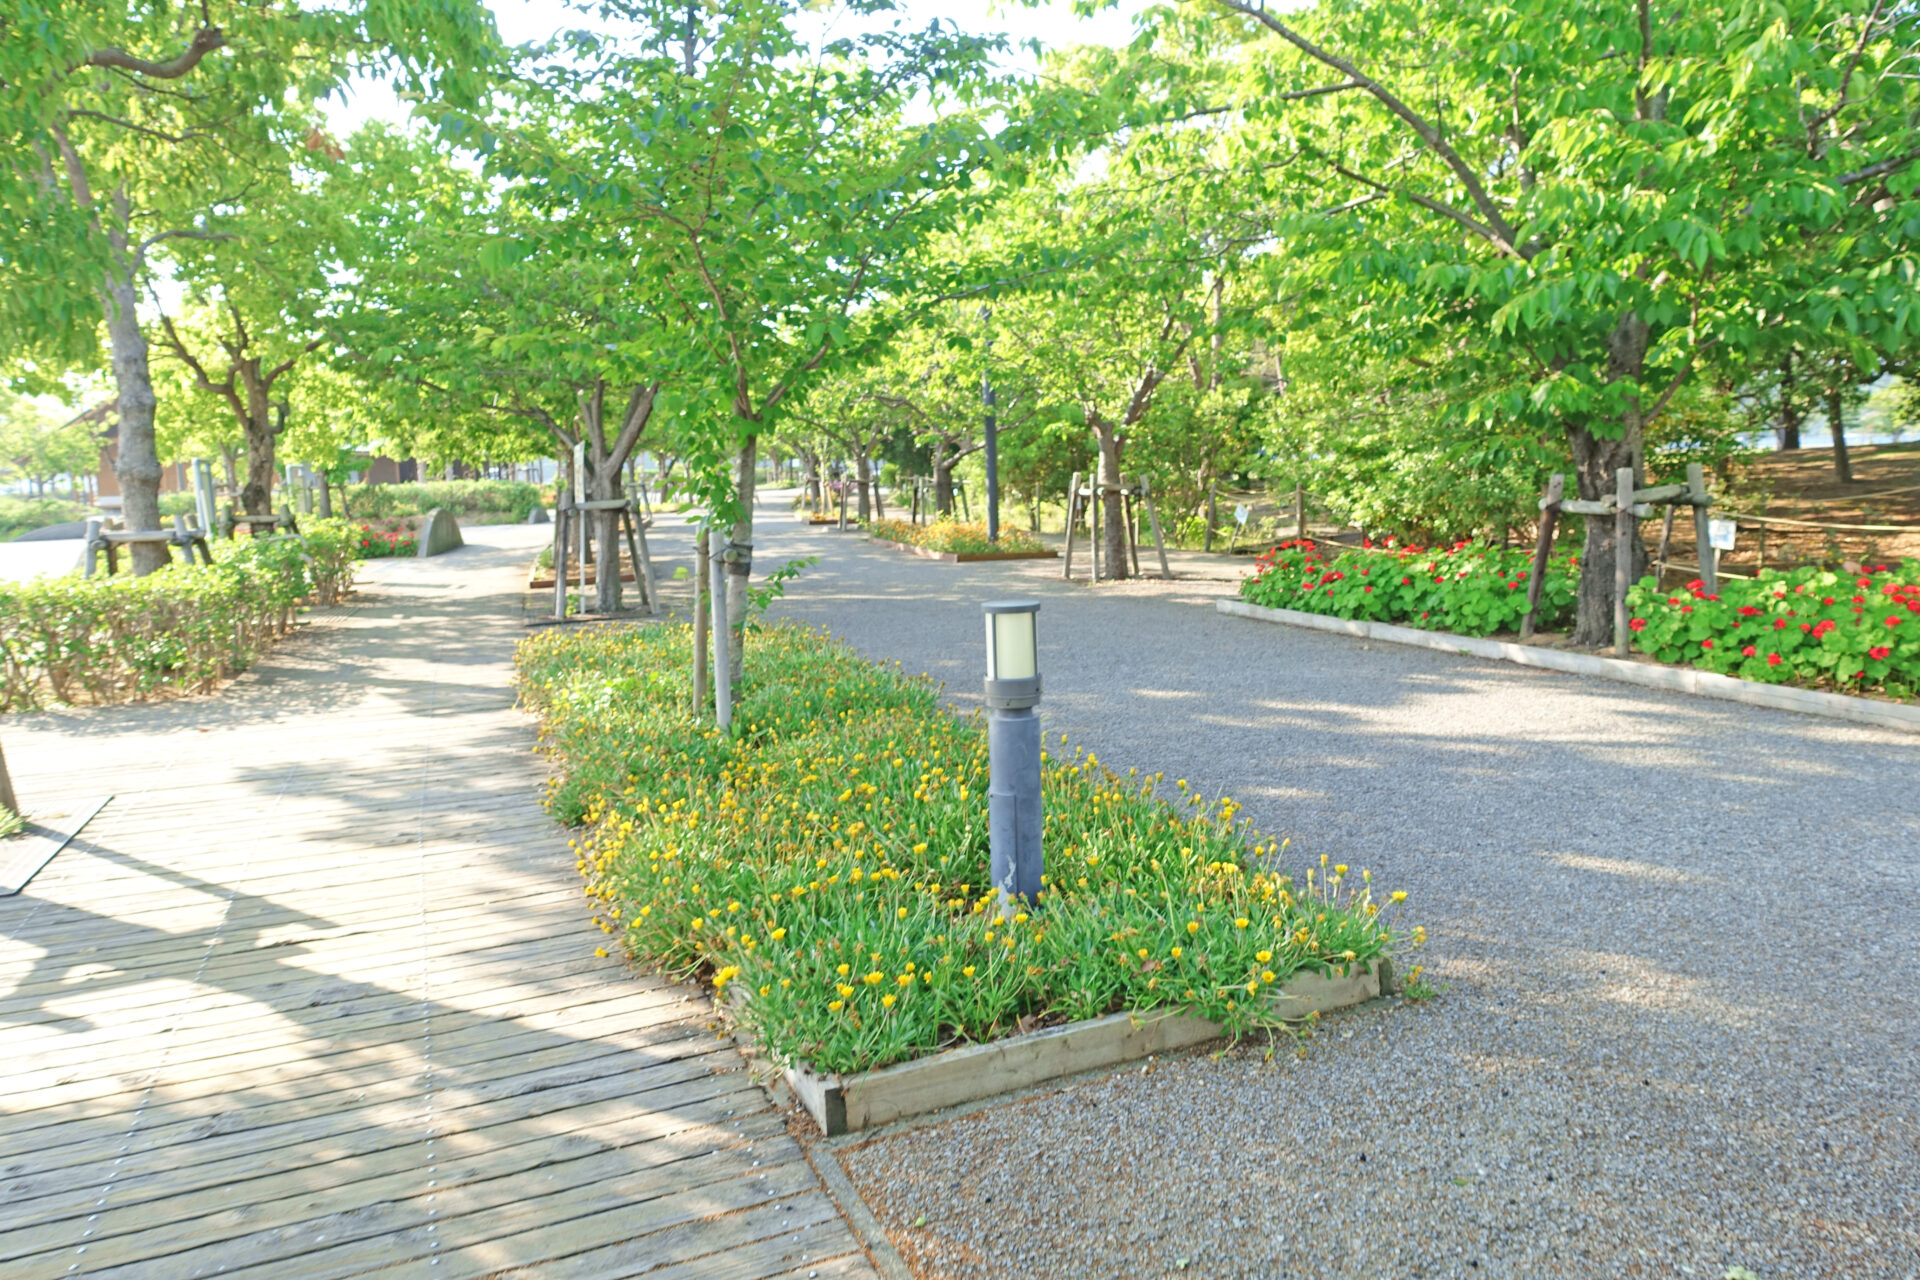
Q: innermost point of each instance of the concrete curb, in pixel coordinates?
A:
(1705, 684)
(845, 1104)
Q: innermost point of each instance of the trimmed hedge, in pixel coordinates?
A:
(24, 515)
(512, 498)
(96, 640)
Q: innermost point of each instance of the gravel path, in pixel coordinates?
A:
(1677, 1025)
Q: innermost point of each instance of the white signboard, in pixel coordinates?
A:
(1720, 534)
(1240, 514)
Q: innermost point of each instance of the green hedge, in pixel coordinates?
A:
(513, 498)
(111, 639)
(24, 515)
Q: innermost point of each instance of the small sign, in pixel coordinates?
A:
(1240, 514)
(1720, 534)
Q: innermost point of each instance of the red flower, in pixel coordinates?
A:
(1638, 624)
(1879, 653)
(1779, 624)
(1706, 644)
(1826, 599)
(1367, 588)
(1747, 652)
(1773, 659)
(1894, 621)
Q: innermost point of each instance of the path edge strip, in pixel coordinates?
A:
(1704, 684)
(842, 1104)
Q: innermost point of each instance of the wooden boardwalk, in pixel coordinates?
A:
(316, 995)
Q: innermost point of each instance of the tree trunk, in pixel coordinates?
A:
(863, 469)
(603, 482)
(137, 462)
(1113, 555)
(740, 567)
(942, 479)
(1789, 431)
(231, 461)
(1842, 464)
(1596, 460)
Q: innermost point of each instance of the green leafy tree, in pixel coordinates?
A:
(1590, 201)
(126, 123)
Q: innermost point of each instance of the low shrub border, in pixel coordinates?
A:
(956, 542)
(70, 640)
(829, 862)
(1467, 588)
(392, 538)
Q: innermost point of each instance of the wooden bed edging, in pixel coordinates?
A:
(1674, 679)
(966, 557)
(848, 1103)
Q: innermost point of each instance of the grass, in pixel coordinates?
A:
(830, 860)
(11, 823)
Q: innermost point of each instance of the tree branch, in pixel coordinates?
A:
(1878, 170)
(205, 41)
(1495, 231)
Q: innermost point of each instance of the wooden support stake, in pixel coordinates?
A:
(700, 572)
(1073, 518)
(1130, 529)
(1299, 510)
(562, 512)
(1542, 552)
(1213, 514)
(1702, 534)
(1623, 530)
(1095, 501)
(1153, 523)
(1666, 536)
(638, 529)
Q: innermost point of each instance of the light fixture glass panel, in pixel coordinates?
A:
(1013, 657)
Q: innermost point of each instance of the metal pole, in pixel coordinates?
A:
(722, 668)
(1015, 815)
(993, 435)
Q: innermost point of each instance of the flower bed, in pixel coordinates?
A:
(831, 861)
(1808, 626)
(1470, 589)
(109, 639)
(954, 537)
(394, 538)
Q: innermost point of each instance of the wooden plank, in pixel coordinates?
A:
(1703, 541)
(1542, 551)
(1624, 530)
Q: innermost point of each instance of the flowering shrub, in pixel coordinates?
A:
(1467, 588)
(830, 861)
(1806, 626)
(395, 538)
(955, 537)
(72, 639)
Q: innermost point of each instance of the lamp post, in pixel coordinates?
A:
(1014, 815)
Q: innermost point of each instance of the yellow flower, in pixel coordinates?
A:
(887, 1000)
(1340, 868)
(843, 970)
(905, 980)
(601, 952)
(1175, 953)
(766, 990)
(843, 989)
(875, 979)
(835, 1006)
(1142, 953)
(902, 913)
(1399, 895)
(920, 848)
(968, 971)
(1242, 922)
(1266, 975)
(1193, 926)
(1263, 956)
(779, 934)
(1020, 918)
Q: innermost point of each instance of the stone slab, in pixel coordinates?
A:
(439, 533)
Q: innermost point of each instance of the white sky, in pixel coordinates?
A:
(532, 21)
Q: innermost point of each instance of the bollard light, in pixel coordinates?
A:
(1014, 817)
